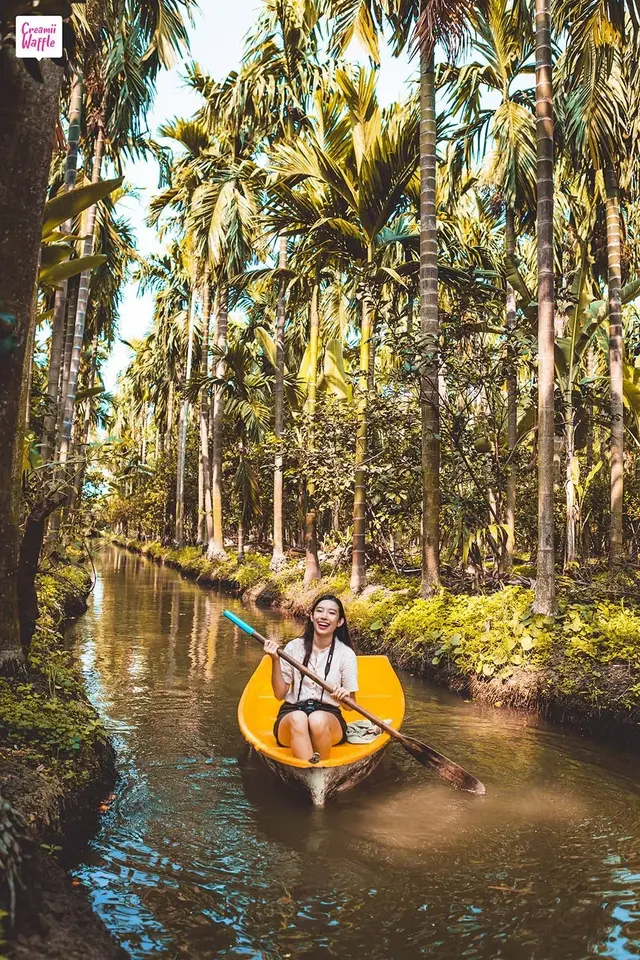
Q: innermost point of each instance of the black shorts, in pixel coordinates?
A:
(309, 707)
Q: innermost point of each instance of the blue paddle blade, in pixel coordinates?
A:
(238, 622)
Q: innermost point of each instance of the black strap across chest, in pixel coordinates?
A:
(326, 669)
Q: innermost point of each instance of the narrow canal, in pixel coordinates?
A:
(201, 854)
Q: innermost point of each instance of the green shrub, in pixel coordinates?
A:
(48, 714)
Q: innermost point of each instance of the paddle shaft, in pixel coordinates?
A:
(447, 769)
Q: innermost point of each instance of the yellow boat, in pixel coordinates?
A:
(349, 763)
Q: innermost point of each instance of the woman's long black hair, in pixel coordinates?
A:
(342, 633)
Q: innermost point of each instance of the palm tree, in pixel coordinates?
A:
(278, 77)
(27, 122)
(60, 307)
(424, 23)
(223, 220)
(363, 159)
(245, 388)
(115, 79)
(545, 598)
(599, 94)
(503, 34)
(184, 177)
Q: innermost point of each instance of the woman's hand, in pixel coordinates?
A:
(271, 648)
(340, 693)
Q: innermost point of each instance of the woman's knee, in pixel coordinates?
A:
(319, 722)
(298, 721)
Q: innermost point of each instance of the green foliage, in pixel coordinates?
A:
(48, 713)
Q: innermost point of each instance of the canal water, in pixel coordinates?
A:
(202, 854)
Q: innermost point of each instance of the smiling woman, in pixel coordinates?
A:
(310, 720)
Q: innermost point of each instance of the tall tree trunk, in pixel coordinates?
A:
(616, 358)
(183, 425)
(277, 560)
(204, 417)
(78, 481)
(429, 331)
(591, 370)
(216, 548)
(200, 524)
(545, 597)
(571, 528)
(358, 560)
(169, 431)
(240, 547)
(312, 566)
(31, 343)
(28, 112)
(60, 306)
(83, 303)
(55, 519)
(512, 398)
(67, 350)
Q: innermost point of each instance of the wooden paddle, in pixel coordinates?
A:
(452, 772)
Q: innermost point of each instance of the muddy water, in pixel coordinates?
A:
(203, 855)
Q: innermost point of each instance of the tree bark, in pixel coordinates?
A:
(200, 524)
(571, 528)
(277, 559)
(60, 306)
(512, 399)
(216, 549)
(28, 112)
(81, 312)
(204, 419)
(430, 332)
(358, 560)
(616, 360)
(545, 594)
(312, 565)
(591, 370)
(78, 481)
(67, 350)
(183, 424)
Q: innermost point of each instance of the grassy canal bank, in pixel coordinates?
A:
(580, 667)
(56, 765)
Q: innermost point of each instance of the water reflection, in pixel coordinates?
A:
(204, 855)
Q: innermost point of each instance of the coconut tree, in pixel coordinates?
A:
(503, 35)
(223, 221)
(27, 122)
(364, 158)
(278, 76)
(113, 85)
(600, 104)
(420, 24)
(545, 598)
(176, 200)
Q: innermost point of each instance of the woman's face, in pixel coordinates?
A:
(326, 618)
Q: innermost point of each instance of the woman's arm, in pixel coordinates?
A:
(278, 683)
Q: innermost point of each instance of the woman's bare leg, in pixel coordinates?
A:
(293, 732)
(325, 732)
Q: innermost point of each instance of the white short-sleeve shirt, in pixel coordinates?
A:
(343, 672)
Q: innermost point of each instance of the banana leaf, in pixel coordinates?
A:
(67, 205)
(53, 253)
(334, 377)
(70, 268)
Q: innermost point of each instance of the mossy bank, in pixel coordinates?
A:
(56, 765)
(581, 667)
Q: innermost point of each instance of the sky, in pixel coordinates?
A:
(216, 44)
